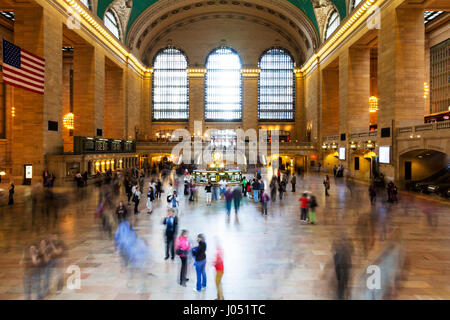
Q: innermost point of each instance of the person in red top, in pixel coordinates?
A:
(218, 264)
(304, 207)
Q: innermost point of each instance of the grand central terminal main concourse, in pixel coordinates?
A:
(229, 150)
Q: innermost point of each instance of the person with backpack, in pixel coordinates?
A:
(183, 246)
(312, 209)
(171, 223)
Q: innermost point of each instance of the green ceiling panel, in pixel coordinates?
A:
(140, 6)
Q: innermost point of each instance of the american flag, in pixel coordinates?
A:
(22, 68)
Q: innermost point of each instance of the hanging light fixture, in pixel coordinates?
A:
(68, 121)
(373, 104)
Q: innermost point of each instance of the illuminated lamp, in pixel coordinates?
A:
(370, 145)
(324, 146)
(353, 145)
(373, 104)
(13, 112)
(426, 90)
(68, 121)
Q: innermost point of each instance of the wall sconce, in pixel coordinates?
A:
(68, 121)
(353, 145)
(324, 146)
(13, 112)
(334, 146)
(370, 144)
(373, 104)
(426, 90)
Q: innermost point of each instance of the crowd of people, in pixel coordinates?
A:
(40, 260)
(118, 218)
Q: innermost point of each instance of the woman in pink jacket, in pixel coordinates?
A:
(182, 249)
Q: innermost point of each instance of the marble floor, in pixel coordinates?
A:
(265, 257)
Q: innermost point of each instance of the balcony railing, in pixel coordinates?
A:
(435, 126)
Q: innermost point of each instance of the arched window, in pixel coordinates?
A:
(332, 24)
(170, 86)
(276, 86)
(223, 86)
(87, 4)
(112, 23)
(355, 3)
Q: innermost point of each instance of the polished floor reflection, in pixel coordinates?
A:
(273, 257)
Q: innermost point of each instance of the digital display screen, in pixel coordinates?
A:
(28, 171)
(385, 155)
(341, 153)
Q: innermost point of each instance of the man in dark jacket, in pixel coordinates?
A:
(171, 223)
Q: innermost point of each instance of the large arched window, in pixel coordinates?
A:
(170, 86)
(276, 86)
(332, 23)
(223, 86)
(112, 23)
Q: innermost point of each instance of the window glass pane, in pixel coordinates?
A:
(170, 86)
(223, 86)
(276, 86)
(112, 24)
(332, 24)
(87, 4)
(355, 3)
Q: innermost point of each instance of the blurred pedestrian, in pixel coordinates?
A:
(150, 198)
(11, 193)
(218, 264)
(372, 193)
(121, 212)
(326, 184)
(293, 182)
(31, 261)
(59, 249)
(264, 202)
(342, 252)
(237, 196)
(228, 200)
(312, 203)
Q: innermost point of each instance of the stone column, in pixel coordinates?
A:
(401, 67)
(114, 103)
(39, 31)
(84, 90)
(300, 112)
(196, 97)
(250, 98)
(331, 111)
(146, 120)
(354, 90)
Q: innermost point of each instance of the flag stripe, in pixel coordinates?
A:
(33, 56)
(29, 74)
(33, 65)
(23, 86)
(33, 71)
(17, 77)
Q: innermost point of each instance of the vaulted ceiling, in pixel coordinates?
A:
(305, 6)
